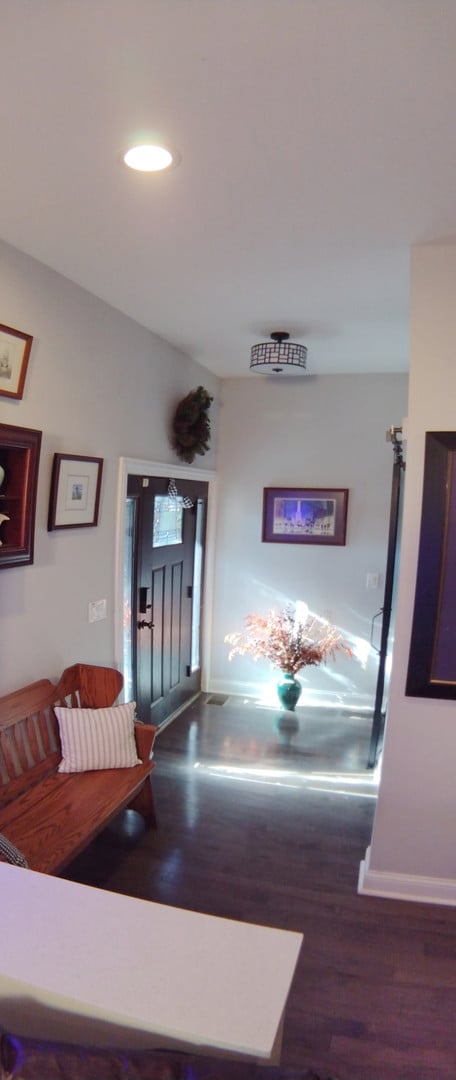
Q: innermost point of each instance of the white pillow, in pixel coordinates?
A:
(97, 738)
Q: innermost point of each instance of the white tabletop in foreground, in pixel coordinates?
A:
(131, 964)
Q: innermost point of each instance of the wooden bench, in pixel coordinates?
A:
(50, 816)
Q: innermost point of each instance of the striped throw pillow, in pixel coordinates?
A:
(97, 738)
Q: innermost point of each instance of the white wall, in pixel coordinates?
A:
(100, 384)
(327, 431)
(97, 383)
(413, 851)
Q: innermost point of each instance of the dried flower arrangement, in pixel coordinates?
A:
(286, 641)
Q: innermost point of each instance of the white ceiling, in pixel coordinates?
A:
(318, 143)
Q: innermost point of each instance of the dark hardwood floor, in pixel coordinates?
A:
(261, 822)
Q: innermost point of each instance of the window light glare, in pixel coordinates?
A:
(148, 158)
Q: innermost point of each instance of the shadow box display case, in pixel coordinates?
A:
(19, 461)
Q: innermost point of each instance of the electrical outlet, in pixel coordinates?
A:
(97, 610)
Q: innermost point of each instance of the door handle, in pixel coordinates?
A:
(376, 616)
(143, 605)
(142, 625)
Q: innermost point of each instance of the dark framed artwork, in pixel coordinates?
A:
(432, 659)
(305, 515)
(19, 463)
(75, 491)
(14, 356)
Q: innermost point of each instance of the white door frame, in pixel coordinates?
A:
(133, 467)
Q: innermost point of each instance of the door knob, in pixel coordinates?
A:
(142, 625)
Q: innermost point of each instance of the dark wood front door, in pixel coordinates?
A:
(168, 577)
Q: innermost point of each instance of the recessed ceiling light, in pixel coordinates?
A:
(149, 158)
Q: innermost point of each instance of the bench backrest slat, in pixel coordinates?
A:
(29, 750)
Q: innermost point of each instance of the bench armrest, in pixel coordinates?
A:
(145, 738)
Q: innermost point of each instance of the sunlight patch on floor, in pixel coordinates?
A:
(360, 785)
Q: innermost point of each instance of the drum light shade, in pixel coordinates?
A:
(278, 356)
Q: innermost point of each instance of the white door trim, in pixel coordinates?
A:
(134, 467)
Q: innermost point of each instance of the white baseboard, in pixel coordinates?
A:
(265, 694)
(412, 887)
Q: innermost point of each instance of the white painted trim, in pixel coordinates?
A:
(134, 467)
(324, 699)
(411, 887)
(177, 712)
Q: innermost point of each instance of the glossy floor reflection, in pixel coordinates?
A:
(264, 816)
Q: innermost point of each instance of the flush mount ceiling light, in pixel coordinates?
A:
(150, 158)
(278, 356)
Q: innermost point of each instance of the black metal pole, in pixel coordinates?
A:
(378, 721)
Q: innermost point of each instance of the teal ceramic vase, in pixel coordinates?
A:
(289, 691)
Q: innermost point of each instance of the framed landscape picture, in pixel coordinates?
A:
(305, 515)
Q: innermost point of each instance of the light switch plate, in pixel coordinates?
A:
(97, 610)
(372, 581)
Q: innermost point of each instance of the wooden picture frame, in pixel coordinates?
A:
(432, 657)
(14, 356)
(305, 515)
(19, 463)
(75, 491)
